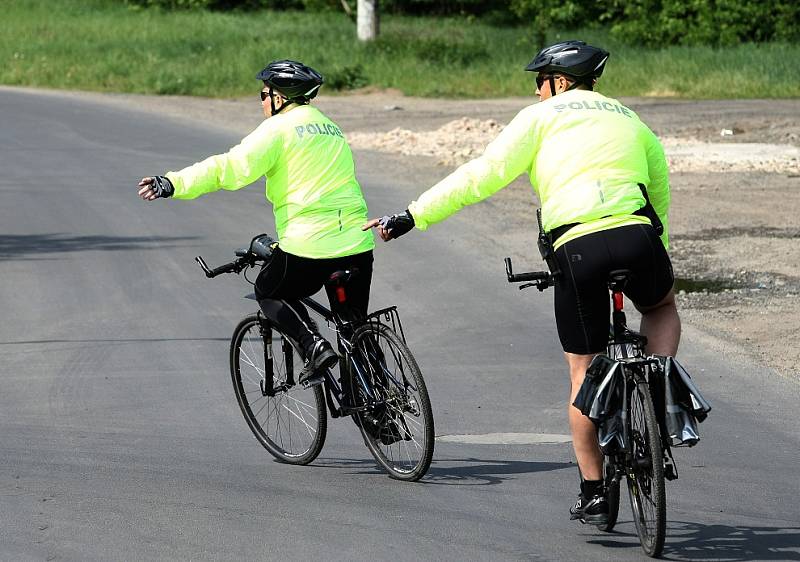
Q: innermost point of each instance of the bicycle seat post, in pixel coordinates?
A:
(617, 280)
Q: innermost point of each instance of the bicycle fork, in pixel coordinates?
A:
(267, 384)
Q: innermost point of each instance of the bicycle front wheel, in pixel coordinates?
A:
(288, 420)
(646, 475)
(395, 415)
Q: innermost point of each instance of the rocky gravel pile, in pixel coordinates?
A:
(461, 140)
(452, 144)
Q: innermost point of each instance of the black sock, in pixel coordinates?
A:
(592, 488)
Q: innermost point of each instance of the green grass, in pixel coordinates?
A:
(103, 45)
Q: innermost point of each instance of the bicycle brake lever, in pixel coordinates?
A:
(541, 285)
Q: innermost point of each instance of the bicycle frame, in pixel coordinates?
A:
(333, 390)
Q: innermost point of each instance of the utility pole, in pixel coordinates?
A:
(367, 20)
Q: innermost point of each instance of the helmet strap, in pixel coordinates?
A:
(272, 102)
(287, 102)
(572, 86)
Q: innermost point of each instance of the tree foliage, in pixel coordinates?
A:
(651, 23)
(702, 22)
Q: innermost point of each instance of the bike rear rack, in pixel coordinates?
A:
(390, 318)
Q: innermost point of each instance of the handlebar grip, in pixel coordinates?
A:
(530, 276)
(227, 268)
(231, 267)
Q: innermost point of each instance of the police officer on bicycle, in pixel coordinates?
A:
(593, 165)
(318, 205)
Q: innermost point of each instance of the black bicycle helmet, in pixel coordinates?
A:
(294, 80)
(571, 58)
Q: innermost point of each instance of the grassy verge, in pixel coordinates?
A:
(104, 45)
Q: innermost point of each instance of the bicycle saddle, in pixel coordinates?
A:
(341, 277)
(618, 278)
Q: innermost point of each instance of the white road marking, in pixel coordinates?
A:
(506, 438)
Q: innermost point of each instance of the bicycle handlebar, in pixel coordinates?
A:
(260, 249)
(539, 279)
(236, 266)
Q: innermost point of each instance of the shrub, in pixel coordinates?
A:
(346, 77)
(657, 23)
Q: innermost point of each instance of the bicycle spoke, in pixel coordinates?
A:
(300, 404)
(411, 419)
(299, 416)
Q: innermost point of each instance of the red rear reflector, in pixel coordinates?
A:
(618, 298)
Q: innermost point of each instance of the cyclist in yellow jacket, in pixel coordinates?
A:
(317, 202)
(589, 159)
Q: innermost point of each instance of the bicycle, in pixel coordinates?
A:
(630, 435)
(379, 385)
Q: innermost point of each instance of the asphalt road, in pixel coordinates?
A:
(120, 438)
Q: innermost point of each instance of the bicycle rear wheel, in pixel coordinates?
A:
(288, 420)
(397, 422)
(646, 476)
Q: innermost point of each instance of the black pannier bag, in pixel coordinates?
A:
(683, 405)
(601, 398)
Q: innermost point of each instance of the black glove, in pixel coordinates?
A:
(162, 187)
(398, 224)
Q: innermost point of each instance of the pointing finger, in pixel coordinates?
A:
(371, 224)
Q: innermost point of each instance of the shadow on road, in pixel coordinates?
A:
(116, 341)
(32, 246)
(728, 543)
(459, 471)
(480, 471)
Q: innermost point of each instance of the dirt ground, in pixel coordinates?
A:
(735, 176)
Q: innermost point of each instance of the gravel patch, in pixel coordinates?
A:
(463, 139)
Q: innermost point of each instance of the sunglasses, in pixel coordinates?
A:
(264, 95)
(541, 78)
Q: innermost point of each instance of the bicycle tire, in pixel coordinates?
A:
(646, 475)
(291, 424)
(612, 495)
(396, 421)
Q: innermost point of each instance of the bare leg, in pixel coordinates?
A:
(584, 432)
(662, 326)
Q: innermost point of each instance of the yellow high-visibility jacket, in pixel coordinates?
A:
(585, 155)
(318, 205)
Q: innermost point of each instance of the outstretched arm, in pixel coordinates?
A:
(505, 158)
(252, 158)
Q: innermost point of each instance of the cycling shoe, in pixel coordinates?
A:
(593, 511)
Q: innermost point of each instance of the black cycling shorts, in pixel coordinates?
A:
(290, 277)
(581, 295)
